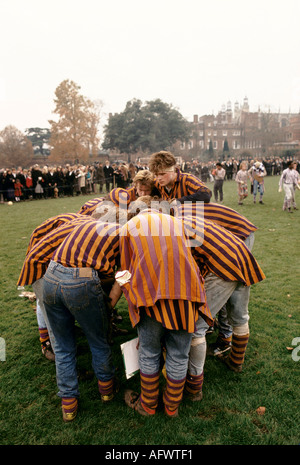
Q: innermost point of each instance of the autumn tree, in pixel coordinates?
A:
(75, 135)
(15, 148)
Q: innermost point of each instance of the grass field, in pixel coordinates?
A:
(30, 409)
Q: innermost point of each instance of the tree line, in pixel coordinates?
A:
(73, 135)
(74, 132)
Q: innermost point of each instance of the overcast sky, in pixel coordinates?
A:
(194, 54)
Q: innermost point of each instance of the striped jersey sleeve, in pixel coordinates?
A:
(90, 206)
(118, 197)
(226, 217)
(185, 184)
(49, 225)
(218, 251)
(122, 197)
(154, 249)
(38, 258)
(91, 244)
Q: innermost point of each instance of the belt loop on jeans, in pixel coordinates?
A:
(52, 265)
(85, 272)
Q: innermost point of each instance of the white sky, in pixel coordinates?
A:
(193, 54)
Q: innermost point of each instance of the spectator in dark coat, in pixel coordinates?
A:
(108, 175)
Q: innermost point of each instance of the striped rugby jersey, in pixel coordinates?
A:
(90, 206)
(154, 250)
(91, 244)
(49, 225)
(118, 196)
(185, 184)
(218, 251)
(123, 197)
(226, 217)
(39, 256)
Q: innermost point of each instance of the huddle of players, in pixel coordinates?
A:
(181, 259)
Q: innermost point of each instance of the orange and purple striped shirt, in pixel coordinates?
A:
(92, 244)
(39, 256)
(218, 251)
(155, 251)
(118, 196)
(49, 225)
(123, 197)
(226, 217)
(185, 185)
(90, 206)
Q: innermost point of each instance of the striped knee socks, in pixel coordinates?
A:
(238, 350)
(44, 335)
(69, 408)
(221, 338)
(106, 389)
(193, 384)
(173, 395)
(149, 392)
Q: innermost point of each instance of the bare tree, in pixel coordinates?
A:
(15, 148)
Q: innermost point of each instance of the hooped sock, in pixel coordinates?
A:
(221, 338)
(149, 392)
(194, 383)
(238, 349)
(44, 335)
(69, 404)
(173, 394)
(106, 389)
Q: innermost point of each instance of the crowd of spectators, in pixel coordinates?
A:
(37, 182)
(273, 166)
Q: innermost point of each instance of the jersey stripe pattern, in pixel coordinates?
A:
(218, 251)
(185, 184)
(154, 250)
(226, 217)
(38, 258)
(49, 225)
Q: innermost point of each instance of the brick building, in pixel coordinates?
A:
(256, 134)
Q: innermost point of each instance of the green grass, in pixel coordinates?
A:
(30, 409)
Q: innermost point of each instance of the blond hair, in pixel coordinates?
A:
(159, 161)
(144, 177)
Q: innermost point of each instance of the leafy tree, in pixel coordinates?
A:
(74, 135)
(39, 138)
(15, 148)
(152, 126)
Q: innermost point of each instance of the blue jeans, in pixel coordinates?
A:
(218, 292)
(69, 295)
(240, 296)
(223, 325)
(177, 343)
(258, 187)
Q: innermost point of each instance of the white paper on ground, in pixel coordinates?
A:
(130, 356)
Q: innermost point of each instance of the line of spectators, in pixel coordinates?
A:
(273, 166)
(37, 182)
